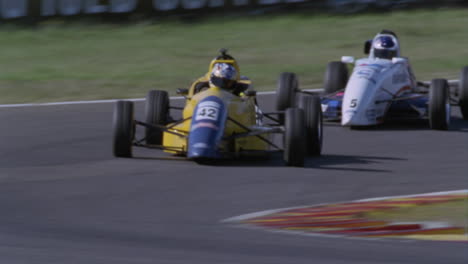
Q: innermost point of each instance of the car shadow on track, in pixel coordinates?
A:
(456, 125)
(389, 125)
(344, 163)
(324, 162)
(459, 124)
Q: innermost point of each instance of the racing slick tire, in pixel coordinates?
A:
(286, 89)
(156, 112)
(439, 104)
(314, 124)
(294, 137)
(124, 129)
(336, 77)
(463, 93)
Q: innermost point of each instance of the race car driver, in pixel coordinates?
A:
(385, 46)
(225, 76)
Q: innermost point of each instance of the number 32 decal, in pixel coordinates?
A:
(207, 111)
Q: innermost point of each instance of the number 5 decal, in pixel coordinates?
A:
(353, 103)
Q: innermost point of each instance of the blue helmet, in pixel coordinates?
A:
(385, 47)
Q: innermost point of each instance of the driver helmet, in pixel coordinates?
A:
(223, 75)
(385, 47)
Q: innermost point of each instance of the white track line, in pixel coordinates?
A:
(452, 82)
(76, 102)
(69, 103)
(110, 101)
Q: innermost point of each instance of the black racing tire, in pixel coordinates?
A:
(336, 77)
(124, 129)
(286, 89)
(314, 124)
(294, 137)
(463, 93)
(439, 104)
(157, 113)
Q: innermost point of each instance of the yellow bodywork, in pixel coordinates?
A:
(240, 108)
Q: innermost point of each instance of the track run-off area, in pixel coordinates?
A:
(65, 199)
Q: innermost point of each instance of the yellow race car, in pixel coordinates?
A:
(220, 120)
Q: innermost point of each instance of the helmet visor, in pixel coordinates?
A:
(222, 83)
(384, 53)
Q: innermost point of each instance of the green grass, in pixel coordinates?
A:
(58, 61)
(455, 213)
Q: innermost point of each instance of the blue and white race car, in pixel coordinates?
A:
(382, 86)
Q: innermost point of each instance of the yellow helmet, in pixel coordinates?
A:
(226, 59)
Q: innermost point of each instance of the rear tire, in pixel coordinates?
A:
(294, 137)
(157, 113)
(313, 123)
(336, 77)
(463, 93)
(288, 84)
(124, 129)
(439, 104)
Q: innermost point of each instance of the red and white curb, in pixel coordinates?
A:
(348, 219)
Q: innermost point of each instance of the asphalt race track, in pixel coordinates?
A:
(65, 199)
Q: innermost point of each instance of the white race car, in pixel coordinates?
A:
(382, 87)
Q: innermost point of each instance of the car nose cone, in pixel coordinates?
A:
(354, 118)
(348, 119)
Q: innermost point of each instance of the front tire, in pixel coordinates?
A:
(156, 112)
(463, 93)
(313, 123)
(288, 84)
(294, 137)
(439, 104)
(336, 77)
(124, 129)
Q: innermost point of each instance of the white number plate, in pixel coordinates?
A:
(207, 111)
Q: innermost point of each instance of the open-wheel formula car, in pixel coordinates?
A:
(381, 87)
(220, 120)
